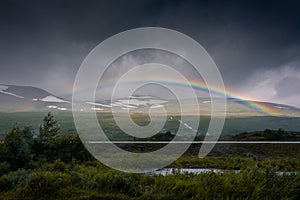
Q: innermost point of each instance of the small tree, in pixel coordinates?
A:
(49, 128)
(18, 153)
(28, 135)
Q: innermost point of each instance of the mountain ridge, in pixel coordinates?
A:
(14, 98)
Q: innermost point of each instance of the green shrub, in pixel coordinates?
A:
(44, 185)
(4, 168)
(14, 180)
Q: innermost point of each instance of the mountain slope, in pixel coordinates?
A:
(32, 99)
(26, 98)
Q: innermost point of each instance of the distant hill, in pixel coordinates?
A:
(26, 99)
(268, 135)
(32, 99)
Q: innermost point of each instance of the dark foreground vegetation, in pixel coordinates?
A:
(53, 165)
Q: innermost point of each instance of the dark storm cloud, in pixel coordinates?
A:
(241, 36)
(41, 39)
(43, 43)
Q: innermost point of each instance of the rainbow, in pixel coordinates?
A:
(199, 85)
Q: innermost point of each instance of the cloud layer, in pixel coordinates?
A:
(256, 45)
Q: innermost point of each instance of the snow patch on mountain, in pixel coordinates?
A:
(96, 109)
(187, 126)
(281, 107)
(157, 106)
(52, 106)
(143, 102)
(132, 102)
(126, 108)
(140, 97)
(4, 87)
(120, 104)
(207, 101)
(53, 99)
(99, 104)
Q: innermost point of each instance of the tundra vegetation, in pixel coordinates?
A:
(55, 165)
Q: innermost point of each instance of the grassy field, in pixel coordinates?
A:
(233, 125)
(57, 166)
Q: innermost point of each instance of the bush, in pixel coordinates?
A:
(14, 180)
(4, 168)
(44, 185)
(18, 152)
(66, 148)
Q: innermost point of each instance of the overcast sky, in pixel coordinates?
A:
(256, 45)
